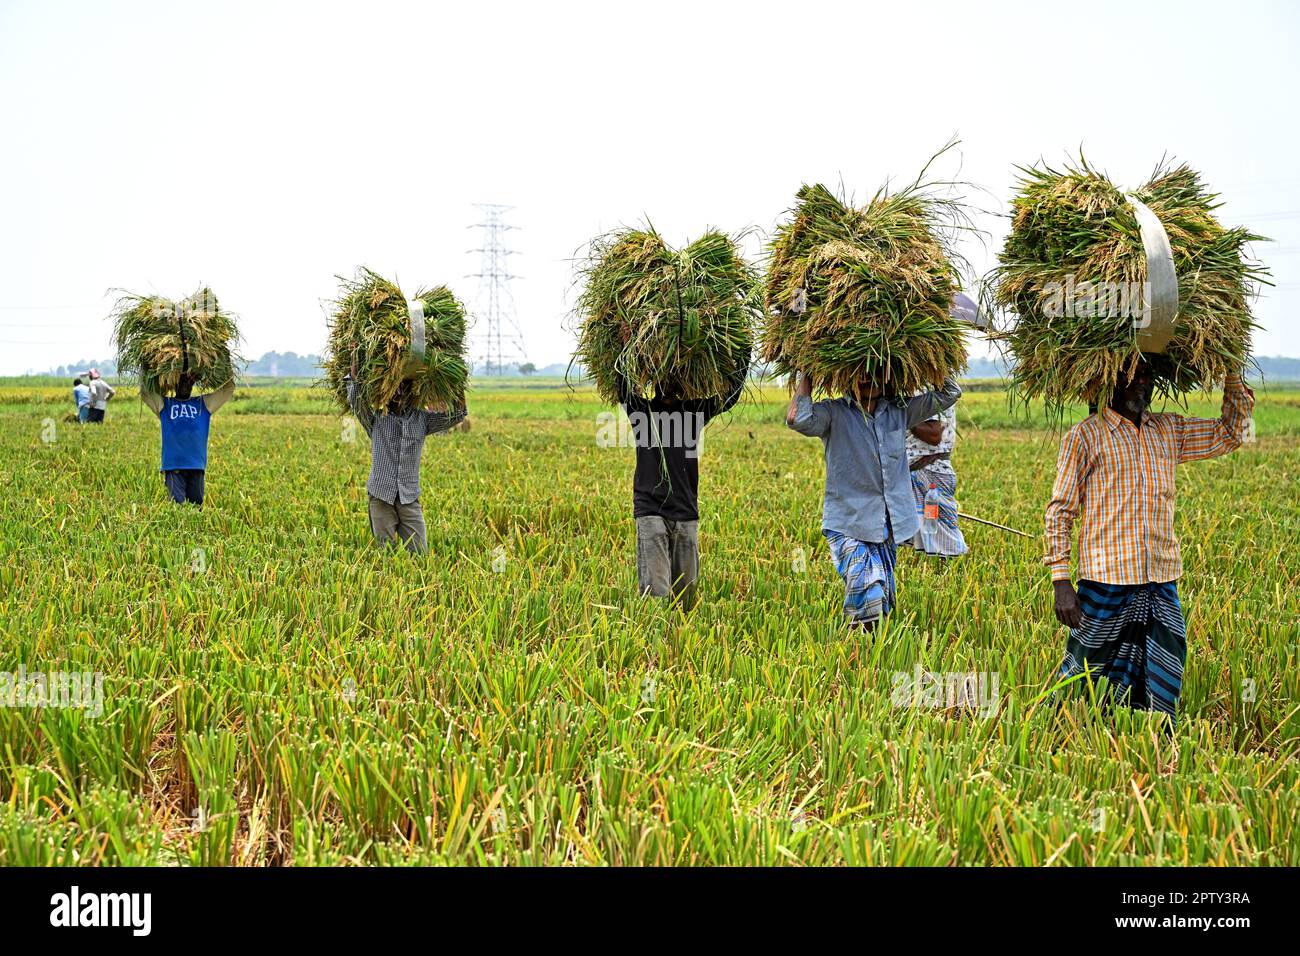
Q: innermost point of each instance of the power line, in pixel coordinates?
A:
(42, 308)
(500, 339)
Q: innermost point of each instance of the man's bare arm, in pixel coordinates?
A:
(218, 398)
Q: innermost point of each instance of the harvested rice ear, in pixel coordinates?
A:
(161, 340)
(1073, 288)
(648, 314)
(866, 292)
(375, 338)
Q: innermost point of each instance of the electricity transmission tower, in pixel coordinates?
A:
(499, 339)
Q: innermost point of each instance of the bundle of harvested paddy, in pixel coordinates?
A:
(372, 324)
(1073, 285)
(865, 293)
(651, 315)
(158, 340)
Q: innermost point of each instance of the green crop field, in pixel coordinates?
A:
(277, 691)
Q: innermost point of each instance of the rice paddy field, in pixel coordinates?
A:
(276, 691)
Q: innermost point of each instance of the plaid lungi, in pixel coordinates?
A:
(1134, 636)
(868, 572)
(946, 539)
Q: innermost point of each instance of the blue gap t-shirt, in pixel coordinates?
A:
(184, 434)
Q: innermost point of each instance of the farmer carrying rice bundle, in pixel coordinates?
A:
(859, 304)
(1116, 297)
(173, 347)
(668, 334)
(400, 368)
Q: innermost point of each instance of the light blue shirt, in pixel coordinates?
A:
(868, 485)
(81, 395)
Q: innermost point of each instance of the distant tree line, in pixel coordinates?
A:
(293, 365)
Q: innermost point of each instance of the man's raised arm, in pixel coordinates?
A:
(1211, 437)
(153, 400)
(925, 406)
(441, 421)
(218, 398)
(804, 415)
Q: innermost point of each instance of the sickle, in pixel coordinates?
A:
(1155, 327)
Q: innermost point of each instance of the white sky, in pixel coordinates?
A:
(263, 148)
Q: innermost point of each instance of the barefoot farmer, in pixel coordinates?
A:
(1115, 476)
(868, 503)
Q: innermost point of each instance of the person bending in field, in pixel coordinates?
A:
(185, 420)
(396, 443)
(667, 431)
(1116, 469)
(868, 502)
(929, 456)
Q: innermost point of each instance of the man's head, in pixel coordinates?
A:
(93, 374)
(185, 386)
(401, 400)
(1133, 393)
(668, 390)
(76, 382)
(866, 389)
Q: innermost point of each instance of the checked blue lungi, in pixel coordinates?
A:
(868, 572)
(1134, 636)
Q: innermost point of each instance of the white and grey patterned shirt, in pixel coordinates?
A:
(919, 449)
(396, 442)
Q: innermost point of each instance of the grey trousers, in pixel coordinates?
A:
(398, 522)
(668, 558)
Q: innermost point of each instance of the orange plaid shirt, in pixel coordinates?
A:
(1122, 480)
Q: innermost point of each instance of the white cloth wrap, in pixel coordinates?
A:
(1155, 327)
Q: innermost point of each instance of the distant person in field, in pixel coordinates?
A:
(667, 431)
(868, 504)
(1116, 470)
(185, 421)
(929, 456)
(81, 396)
(396, 444)
(100, 394)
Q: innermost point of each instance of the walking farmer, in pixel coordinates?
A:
(868, 504)
(185, 422)
(1115, 478)
(397, 436)
(667, 431)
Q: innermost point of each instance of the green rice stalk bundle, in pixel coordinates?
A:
(158, 340)
(371, 322)
(876, 282)
(1076, 226)
(651, 315)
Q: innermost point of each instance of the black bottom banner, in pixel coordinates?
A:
(332, 906)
